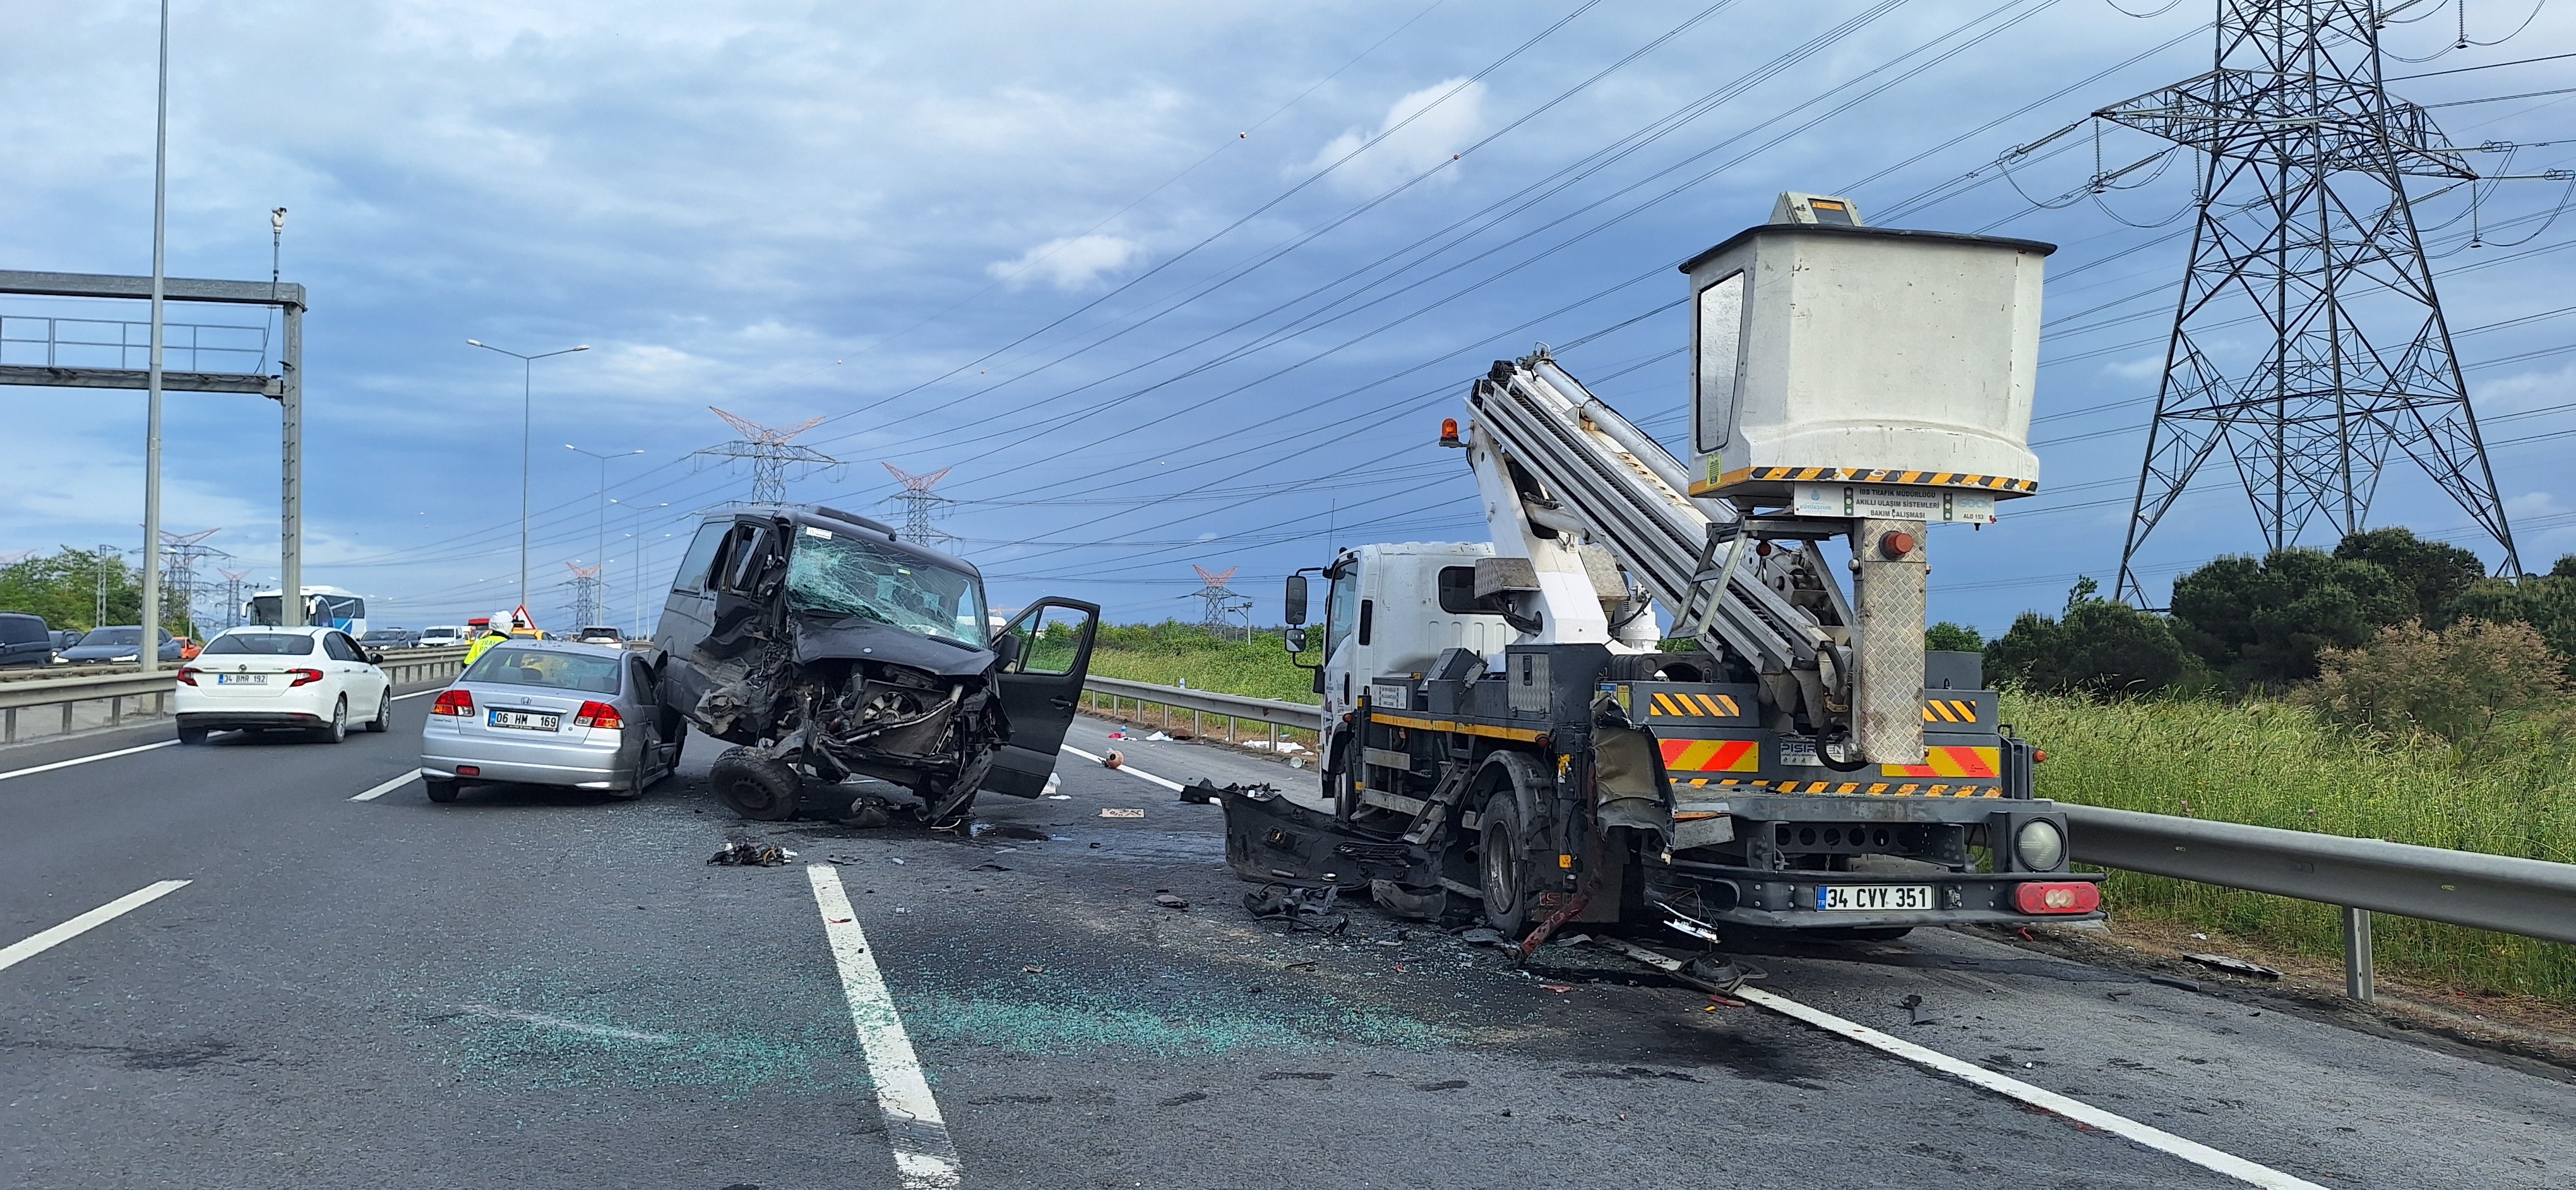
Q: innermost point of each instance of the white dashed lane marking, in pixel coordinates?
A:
(64, 764)
(1129, 769)
(38, 943)
(387, 787)
(924, 1156)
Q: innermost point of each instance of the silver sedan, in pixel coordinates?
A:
(544, 712)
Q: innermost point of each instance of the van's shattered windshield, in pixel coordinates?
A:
(844, 576)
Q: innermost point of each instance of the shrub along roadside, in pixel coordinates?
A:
(1172, 653)
(2273, 764)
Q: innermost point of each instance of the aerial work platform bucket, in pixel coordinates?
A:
(1865, 371)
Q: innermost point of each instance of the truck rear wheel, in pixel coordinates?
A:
(1504, 869)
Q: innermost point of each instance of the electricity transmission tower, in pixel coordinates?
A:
(179, 571)
(1227, 610)
(585, 594)
(921, 506)
(233, 580)
(2306, 233)
(771, 452)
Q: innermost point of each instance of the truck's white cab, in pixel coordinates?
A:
(1391, 610)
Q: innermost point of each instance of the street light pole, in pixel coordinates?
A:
(601, 556)
(638, 535)
(527, 406)
(148, 654)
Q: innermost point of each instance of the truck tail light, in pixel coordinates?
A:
(304, 677)
(187, 675)
(2047, 898)
(453, 702)
(598, 714)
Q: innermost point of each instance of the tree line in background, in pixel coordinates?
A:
(66, 588)
(2387, 633)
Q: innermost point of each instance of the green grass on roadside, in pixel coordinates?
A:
(2271, 764)
(1170, 653)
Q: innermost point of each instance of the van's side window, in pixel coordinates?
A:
(1368, 612)
(701, 557)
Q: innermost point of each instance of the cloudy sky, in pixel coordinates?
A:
(1161, 284)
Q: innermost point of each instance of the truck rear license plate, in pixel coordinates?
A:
(526, 720)
(1874, 896)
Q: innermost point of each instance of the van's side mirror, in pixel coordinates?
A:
(1295, 607)
(1296, 640)
(1006, 652)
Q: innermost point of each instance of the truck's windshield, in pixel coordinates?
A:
(844, 576)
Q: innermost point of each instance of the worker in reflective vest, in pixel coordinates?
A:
(494, 633)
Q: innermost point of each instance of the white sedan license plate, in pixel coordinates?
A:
(241, 679)
(1874, 896)
(526, 720)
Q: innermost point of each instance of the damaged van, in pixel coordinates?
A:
(826, 647)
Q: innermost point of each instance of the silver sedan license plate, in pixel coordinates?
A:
(1874, 896)
(526, 720)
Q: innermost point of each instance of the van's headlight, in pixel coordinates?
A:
(2040, 845)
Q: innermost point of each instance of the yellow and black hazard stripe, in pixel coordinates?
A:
(1949, 710)
(1941, 479)
(1692, 706)
(1886, 788)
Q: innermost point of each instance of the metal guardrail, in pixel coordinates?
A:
(122, 685)
(2507, 894)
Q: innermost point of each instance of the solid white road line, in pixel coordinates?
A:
(924, 1156)
(2082, 1113)
(420, 693)
(1129, 769)
(38, 943)
(388, 787)
(64, 764)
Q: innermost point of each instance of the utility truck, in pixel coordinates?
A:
(1508, 728)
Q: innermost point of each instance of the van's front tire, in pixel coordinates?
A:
(758, 789)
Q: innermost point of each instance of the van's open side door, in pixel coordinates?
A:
(1039, 688)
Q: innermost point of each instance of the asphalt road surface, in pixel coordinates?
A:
(537, 989)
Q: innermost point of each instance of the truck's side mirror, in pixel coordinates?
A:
(1294, 608)
(1296, 640)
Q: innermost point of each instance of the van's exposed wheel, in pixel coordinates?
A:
(440, 788)
(384, 719)
(1504, 870)
(753, 787)
(944, 806)
(338, 728)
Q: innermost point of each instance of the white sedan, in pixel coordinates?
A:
(307, 680)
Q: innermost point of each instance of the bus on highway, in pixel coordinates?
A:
(344, 610)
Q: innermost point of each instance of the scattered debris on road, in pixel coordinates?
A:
(1168, 901)
(1302, 908)
(1913, 1006)
(745, 853)
(1204, 792)
(1115, 759)
(1121, 812)
(2234, 966)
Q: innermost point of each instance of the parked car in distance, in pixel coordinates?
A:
(25, 640)
(282, 679)
(559, 713)
(116, 642)
(600, 634)
(381, 639)
(441, 638)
